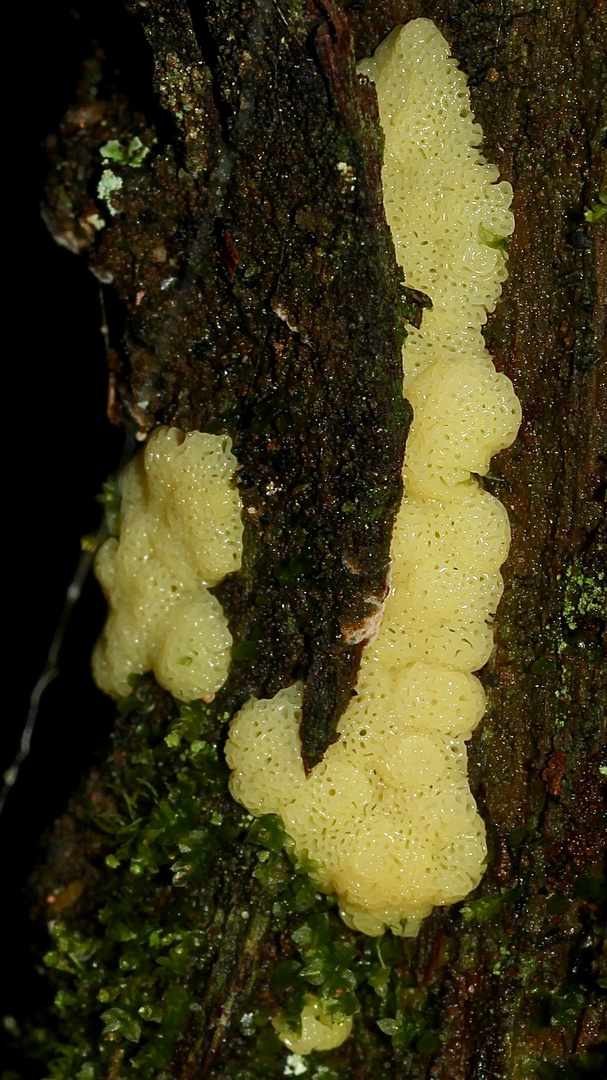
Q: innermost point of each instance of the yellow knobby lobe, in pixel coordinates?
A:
(388, 817)
(442, 200)
(319, 1030)
(180, 532)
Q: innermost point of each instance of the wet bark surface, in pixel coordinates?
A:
(537, 81)
(511, 983)
(253, 290)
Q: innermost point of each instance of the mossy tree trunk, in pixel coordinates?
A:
(179, 928)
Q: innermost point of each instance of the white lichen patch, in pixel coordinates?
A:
(180, 532)
(295, 1065)
(388, 816)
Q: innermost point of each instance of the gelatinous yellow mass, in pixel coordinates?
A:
(388, 815)
(180, 532)
(319, 1030)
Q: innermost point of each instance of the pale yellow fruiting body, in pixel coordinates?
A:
(388, 816)
(319, 1030)
(180, 532)
(442, 200)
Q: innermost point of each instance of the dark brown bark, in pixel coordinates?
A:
(230, 249)
(538, 90)
(509, 984)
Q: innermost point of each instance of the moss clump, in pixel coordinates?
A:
(598, 210)
(182, 896)
(129, 959)
(131, 154)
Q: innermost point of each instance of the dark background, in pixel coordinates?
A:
(58, 450)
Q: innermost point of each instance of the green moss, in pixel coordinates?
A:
(130, 981)
(482, 909)
(133, 981)
(139, 964)
(133, 154)
(543, 665)
(245, 650)
(327, 963)
(598, 210)
(491, 239)
(411, 1024)
(566, 1008)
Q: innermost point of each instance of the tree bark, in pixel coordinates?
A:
(179, 927)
